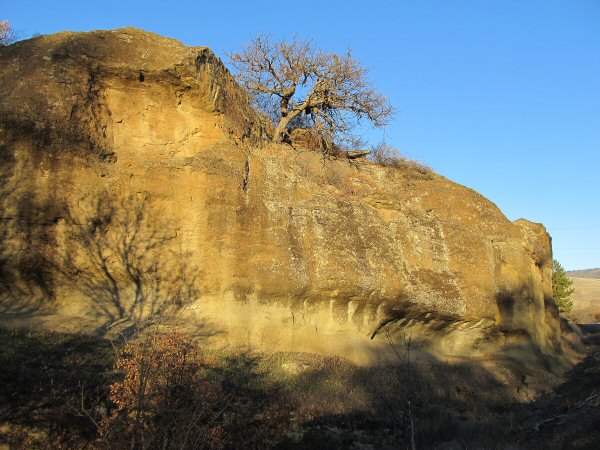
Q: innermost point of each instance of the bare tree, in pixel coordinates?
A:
(7, 33)
(299, 86)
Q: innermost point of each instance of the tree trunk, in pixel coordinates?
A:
(281, 130)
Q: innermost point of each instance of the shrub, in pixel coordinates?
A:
(163, 401)
(387, 155)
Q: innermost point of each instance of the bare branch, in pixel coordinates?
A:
(324, 91)
(7, 33)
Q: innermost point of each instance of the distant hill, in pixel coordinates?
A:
(586, 300)
(587, 273)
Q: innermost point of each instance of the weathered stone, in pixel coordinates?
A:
(358, 154)
(294, 251)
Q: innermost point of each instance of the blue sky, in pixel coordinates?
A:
(501, 96)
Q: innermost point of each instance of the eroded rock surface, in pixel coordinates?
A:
(285, 249)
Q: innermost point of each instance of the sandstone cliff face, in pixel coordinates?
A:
(284, 249)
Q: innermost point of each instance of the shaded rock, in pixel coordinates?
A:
(294, 252)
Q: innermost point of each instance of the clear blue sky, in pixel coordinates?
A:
(501, 96)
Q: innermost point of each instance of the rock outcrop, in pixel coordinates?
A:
(112, 134)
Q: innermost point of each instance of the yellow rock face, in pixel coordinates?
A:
(135, 173)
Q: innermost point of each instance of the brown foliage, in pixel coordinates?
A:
(298, 85)
(164, 399)
(171, 397)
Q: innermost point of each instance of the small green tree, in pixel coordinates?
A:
(561, 288)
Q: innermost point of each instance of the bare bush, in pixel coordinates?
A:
(387, 155)
(164, 399)
(299, 86)
(7, 33)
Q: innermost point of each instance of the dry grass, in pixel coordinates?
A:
(586, 300)
(47, 382)
(389, 156)
(249, 400)
(585, 273)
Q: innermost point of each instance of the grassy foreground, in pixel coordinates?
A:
(66, 391)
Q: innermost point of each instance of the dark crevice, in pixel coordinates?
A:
(246, 176)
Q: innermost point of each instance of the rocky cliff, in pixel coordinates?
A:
(135, 176)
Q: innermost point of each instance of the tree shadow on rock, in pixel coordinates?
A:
(127, 261)
(26, 244)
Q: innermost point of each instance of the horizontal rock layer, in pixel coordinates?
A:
(283, 248)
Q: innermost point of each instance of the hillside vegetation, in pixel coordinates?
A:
(586, 273)
(312, 300)
(60, 391)
(586, 300)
